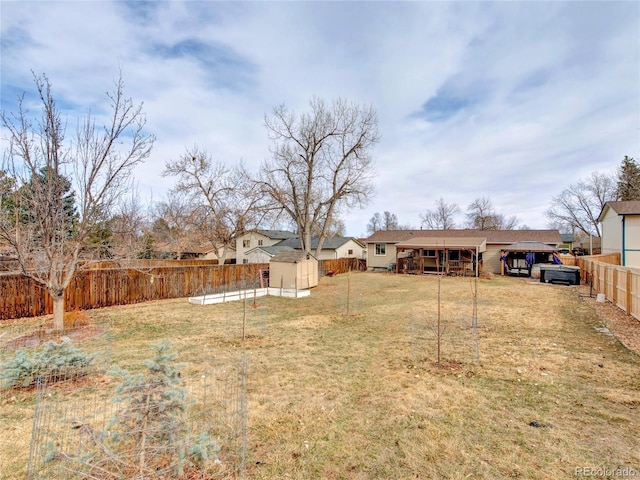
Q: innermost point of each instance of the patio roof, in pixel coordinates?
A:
(529, 246)
(441, 243)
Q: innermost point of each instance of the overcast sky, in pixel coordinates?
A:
(508, 100)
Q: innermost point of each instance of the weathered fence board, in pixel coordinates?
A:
(620, 285)
(21, 296)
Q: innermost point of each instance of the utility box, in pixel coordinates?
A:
(293, 270)
(560, 274)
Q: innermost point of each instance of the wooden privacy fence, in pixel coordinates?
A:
(20, 296)
(620, 285)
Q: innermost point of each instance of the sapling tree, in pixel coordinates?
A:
(148, 436)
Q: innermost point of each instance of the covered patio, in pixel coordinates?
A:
(450, 256)
(519, 258)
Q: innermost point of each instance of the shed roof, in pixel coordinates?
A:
(445, 242)
(529, 246)
(493, 236)
(293, 256)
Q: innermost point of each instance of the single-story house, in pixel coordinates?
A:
(258, 238)
(483, 248)
(184, 251)
(448, 255)
(621, 231)
(568, 241)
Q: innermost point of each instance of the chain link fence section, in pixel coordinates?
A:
(445, 333)
(33, 351)
(90, 432)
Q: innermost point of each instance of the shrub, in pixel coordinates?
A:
(55, 362)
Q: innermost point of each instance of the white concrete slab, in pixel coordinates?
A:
(249, 294)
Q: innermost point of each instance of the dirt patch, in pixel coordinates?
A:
(624, 327)
(36, 338)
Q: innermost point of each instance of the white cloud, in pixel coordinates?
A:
(523, 98)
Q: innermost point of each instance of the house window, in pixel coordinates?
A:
(245, 260)
(381, 248)
(429, 253)
(259, 243)
(246, 243)
(350, 252)
(454, 254)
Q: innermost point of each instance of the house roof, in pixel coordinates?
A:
(183, 248)
(442, 242)
(293, 256)
(630, 207)
(277, 234)
(271, 250)
(568, 237)
(529, 246)
(331, 243)
(493, 236)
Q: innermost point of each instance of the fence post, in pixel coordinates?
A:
(629, 297)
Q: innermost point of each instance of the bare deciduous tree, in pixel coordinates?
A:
(128, 226)
(52, 245)
(389, 221)
(336, 228)
(481, 215)
(223, 202)
(375, 223)
(442, 217)
(578, 206)
(386, 221)
(321, 163)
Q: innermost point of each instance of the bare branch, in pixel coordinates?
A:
(49, 224)
(320, 164)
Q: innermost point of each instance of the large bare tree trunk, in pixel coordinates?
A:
(58, 312)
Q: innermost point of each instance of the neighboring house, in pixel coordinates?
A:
(210, 254)
(332, 248)
(180, 251)
(621, 231)
(588, 245)
(386, 247)
(568, 241)
(259, 238)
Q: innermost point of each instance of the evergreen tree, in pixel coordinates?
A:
(148, 248)
(7, 190)
(628, 180)
(53, 189)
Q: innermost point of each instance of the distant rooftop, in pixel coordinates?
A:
(277, 234)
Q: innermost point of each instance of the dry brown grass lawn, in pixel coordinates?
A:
(359, 397)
